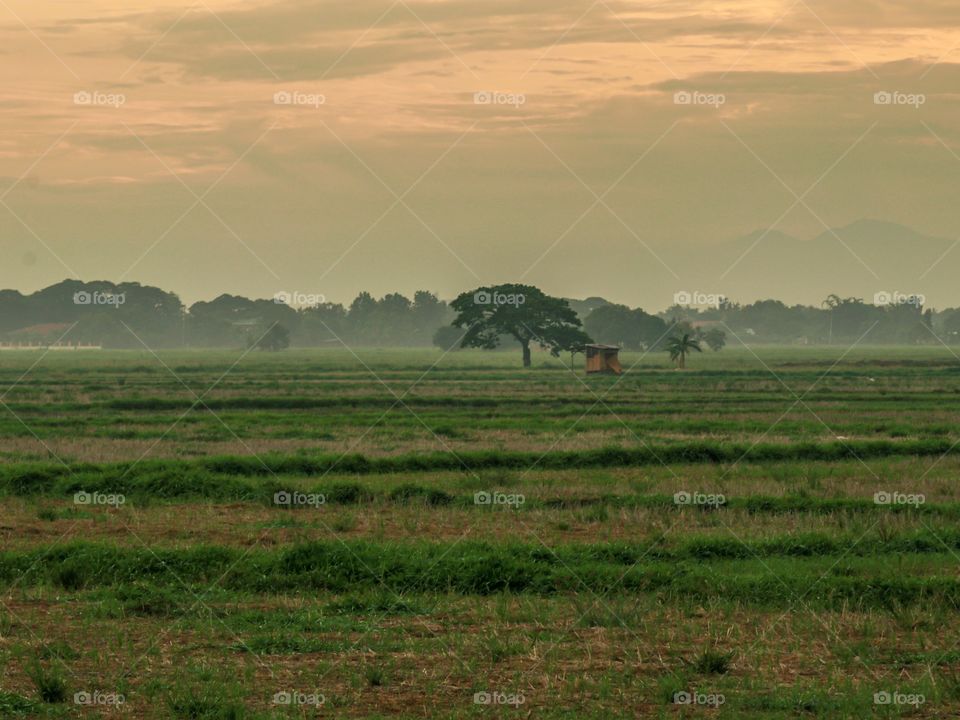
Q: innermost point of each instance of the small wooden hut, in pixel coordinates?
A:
(603, 359)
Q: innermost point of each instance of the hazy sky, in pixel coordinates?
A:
(152, 145)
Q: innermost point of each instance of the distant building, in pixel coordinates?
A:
(603, 359)
(47, 336)
(45, 331)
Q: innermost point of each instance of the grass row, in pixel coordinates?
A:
(408, 493)
(39, 474)
(313, 426)
(661, 547)
(151, 482)
(665, 401)
(481, 568)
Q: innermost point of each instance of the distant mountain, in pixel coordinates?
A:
(860, 259)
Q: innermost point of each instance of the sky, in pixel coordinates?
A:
(631, 150)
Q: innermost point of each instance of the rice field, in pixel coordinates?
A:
(771, 533)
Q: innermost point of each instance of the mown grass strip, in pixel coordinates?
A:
(183, 484)
(480, 568)
(651, 401)
(355, 464)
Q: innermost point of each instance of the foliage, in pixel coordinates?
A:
(448, 338)
(49, 682)
(679, 346)
(275, 339)
(630, 329)
(715, 338)
(521, 311)
(130, 315)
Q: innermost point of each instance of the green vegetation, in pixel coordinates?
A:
(521, 312)
(774, 528)
(680, 346)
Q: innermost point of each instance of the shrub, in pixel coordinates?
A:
(50, 684)
(712, 662)
(346, 493)
(429, 496)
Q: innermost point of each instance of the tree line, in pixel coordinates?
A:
(131, 315)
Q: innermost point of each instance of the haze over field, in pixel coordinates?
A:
(148, 145)
(459, 359)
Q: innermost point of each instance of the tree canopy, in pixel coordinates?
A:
(275, 339)
(130, 315)
(679, 346)
(523, 312)
(630, 329)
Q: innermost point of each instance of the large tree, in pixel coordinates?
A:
(715, 338)
(275, 339)
(521, 311)
(619, 325)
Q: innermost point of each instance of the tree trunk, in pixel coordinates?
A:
(526, 355)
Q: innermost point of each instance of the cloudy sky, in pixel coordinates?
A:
(626, 149)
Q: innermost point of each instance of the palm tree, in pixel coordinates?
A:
(678, 347)
(832, 302)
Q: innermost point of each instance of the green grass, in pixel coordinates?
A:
(226, 477)
(14, 705)
(401, 597)
(825, 572)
